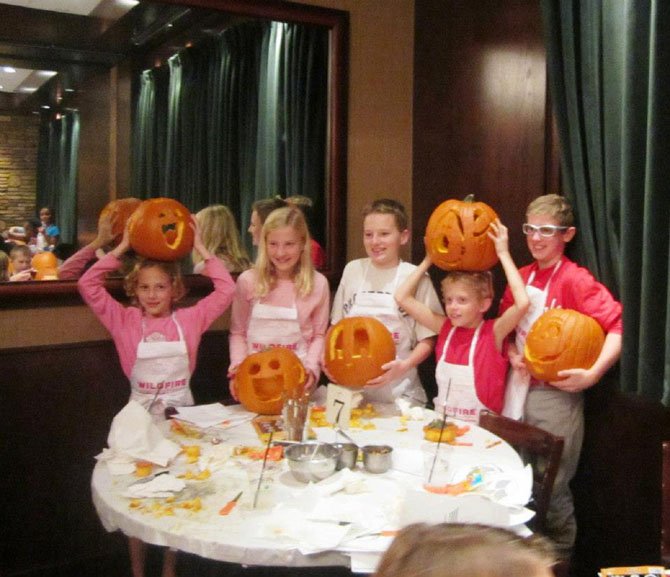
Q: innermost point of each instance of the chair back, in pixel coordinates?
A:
(665, 505)
(539, 448)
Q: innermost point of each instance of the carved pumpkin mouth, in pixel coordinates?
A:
(173, 233)
(268, 389)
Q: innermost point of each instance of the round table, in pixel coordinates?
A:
(293, 524)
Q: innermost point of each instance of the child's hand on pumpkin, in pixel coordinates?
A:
(124, 245)
(498, 234)
(198, 245)
(393, 371)
(231, 382)
(105, 235)
(576, 380)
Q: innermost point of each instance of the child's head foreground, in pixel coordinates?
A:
(155, 286)
(548, 228)
(284, 251)
(384, 231)
(20, 257)
(460, 550)
(467, 296)
(221, 237)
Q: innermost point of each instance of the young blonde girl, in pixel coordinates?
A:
(157, 344)
(222, 238)
(282, 301)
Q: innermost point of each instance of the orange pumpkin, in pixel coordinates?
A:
(355, 350)
(119, 210)
(262, 378)
(456, 235)
(562, 339)
(160, 228)
(44, 260)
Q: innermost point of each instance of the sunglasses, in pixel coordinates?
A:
(546, 230)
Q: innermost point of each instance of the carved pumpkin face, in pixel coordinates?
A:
(262, 378)
(562, 339)
(456, 236)
(119, 211)
(160, 229)
(356, 348)
(44, 260)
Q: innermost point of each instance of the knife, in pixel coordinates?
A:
(230, 505)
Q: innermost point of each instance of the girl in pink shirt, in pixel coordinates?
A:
(282, 301)
(157, 344)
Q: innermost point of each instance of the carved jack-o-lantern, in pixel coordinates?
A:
(356, 349)
(160, 229)
(46, 274)
(263, 377)
(562, 339)
(119, 210)
(456, 235)
(44, 260)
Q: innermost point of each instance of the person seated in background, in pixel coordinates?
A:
(260, 210)
(4, 266)
(16, 235)
(34, 238)
(19, 262)
(465, 550)
(306, 205)
(47, 228)
(222, 238)
(73, 267)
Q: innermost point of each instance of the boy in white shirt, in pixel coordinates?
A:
(366, 289)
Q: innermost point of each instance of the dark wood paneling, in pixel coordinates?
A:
(479, 110)
(57, 407)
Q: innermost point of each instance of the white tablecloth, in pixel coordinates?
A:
(331, 525)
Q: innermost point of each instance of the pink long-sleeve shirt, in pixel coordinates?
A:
(313, 311)
(125, 322)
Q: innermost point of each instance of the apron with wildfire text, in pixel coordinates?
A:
(272, 326)
(457, 395)
(161, 375)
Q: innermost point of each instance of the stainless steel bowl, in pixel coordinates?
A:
(348, 456)
(377, 458)
(312, 461)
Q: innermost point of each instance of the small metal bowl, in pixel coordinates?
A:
(377, 458)
(348, 456)
(312, 462)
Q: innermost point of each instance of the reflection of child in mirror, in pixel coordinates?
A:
(19, 262)
(4, 266)
(221, 237)
(73, 267)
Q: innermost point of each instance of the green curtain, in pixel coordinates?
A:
(606, 63)
(57, 166)
(236, 118)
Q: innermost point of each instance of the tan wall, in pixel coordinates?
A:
(379, 150)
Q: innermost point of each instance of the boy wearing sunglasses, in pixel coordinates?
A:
(554, 281)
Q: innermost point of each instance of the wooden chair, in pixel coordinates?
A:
(539, 448)
(665, 505)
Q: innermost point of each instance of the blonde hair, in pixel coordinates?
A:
(221, 237)
(303, 276)
(553, 205)
(20, 249)
(479, 282)
(464, 550)
(171, 269)
(4, 266)
(388, 206)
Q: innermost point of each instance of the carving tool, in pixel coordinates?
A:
(230, 505)
(265, 460)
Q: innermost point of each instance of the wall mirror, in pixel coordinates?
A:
(95, 69)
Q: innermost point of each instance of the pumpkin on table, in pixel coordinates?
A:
(456, 235)
(356, 349)
(43, 261)
(160, 228)
(119, 210)
(562, 339)
(264, 378)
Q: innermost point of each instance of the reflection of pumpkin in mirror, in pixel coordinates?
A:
(456, 235)
(44, 260)
(262, 378)
(160, 229)
(119, 210)
(562, 339)
(46, 274)
(356, 348)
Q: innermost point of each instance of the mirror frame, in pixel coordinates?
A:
(33, 294)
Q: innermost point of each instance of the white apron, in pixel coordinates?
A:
(518, 382)
(457, 395)
(272, 326)
(161, 375)
(383, 307)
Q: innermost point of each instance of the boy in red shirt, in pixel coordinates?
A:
(554, 281)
